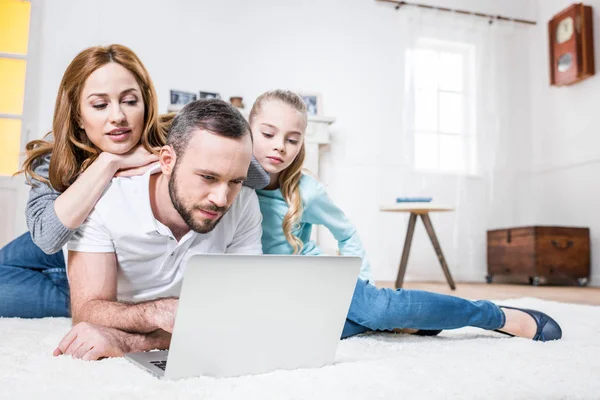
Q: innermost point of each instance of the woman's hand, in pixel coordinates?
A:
(135, 162)
(74, 205)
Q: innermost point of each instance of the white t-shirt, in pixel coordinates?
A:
(150, 261)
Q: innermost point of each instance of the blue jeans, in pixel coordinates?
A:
(33, 284)
(375, 309)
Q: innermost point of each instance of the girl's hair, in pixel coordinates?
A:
(72, 151)
(289, 179)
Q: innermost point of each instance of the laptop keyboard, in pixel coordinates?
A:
(160, 364)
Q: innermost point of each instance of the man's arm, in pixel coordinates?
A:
(93, 281)
(92, 269)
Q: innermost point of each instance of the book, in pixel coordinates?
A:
(413, 199)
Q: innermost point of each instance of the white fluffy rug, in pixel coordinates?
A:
(461, 364)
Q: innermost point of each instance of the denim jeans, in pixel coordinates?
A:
(375, 309)
(32, 284)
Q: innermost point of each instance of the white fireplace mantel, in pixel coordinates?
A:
(317, 135)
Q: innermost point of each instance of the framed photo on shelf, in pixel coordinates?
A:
(181, 98)
(209, 95)
(314, 103)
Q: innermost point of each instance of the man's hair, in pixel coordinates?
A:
(215, 116)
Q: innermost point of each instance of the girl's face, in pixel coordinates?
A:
(112, 109)
(278, 133)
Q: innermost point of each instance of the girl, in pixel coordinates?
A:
(106, 123)
(293, 202)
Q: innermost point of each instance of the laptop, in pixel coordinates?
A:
(243, 314)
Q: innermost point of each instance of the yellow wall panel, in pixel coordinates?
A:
(14, 26)
(12, 85)
(10, 145)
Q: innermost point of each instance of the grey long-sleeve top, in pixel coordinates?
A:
(49, 233)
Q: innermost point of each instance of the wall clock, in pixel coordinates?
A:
(571, 40)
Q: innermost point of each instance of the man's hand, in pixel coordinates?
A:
(92, 342)
(164, 313)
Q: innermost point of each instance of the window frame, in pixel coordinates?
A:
(16, 57)
(23, 117)
(468, 134)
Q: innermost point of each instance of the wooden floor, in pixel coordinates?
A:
(497, 291)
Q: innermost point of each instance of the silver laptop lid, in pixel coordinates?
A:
(241, 315)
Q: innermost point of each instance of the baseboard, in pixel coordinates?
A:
(474, 277)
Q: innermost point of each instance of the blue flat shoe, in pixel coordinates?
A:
(547, 328)
(427, 332)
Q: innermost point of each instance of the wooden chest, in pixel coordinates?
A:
(542, 254)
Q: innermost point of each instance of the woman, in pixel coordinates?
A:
(106, 123)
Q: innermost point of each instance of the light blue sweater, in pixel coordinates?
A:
(318, 210)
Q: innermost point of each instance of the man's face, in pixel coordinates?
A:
(207, 178)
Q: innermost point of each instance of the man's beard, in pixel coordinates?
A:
(187, 212)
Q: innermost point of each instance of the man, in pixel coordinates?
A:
(126, 261)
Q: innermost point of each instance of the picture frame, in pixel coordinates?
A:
(209, 95)
(314, 103)
(180, 98)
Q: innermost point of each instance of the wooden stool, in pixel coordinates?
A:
(422, 209)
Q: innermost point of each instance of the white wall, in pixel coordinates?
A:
(345, 49)
(565, 126)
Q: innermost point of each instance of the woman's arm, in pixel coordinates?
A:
(74, 205)
(52, 217)
(257, 178)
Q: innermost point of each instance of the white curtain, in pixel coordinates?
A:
(460, 147)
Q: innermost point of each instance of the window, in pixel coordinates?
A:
(14, 39)
(443, 112)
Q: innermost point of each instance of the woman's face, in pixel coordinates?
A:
(112, 109)
(278, 133)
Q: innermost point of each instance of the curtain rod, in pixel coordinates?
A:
(489, 16)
